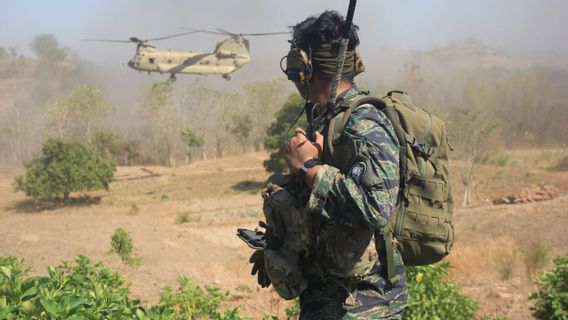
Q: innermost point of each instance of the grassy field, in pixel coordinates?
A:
(183, 220)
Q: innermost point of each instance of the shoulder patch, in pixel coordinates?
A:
(357, 171)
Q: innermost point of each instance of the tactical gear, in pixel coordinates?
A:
(422, 223)
(286, 221)
(324, 60)
(300, 65)
(352, 200)
(259, 267)
(290, 228)
(284, 271)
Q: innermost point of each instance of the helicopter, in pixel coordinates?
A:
(230, 54)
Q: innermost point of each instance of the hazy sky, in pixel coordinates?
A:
(514, 25)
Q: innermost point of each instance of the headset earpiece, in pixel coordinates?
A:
(298, 65)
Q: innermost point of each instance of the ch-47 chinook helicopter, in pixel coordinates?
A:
(229, 55)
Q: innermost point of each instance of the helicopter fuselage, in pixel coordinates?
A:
(230, 55)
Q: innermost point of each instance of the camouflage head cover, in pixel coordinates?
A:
(300, 65)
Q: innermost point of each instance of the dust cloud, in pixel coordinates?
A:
(446, 44)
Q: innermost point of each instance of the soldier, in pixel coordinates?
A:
(350, 183)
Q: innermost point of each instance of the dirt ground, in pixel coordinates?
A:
(220, 195)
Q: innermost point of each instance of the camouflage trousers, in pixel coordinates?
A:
(373, 299)
(327, 301)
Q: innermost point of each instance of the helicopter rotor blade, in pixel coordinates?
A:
(250, 34)
(262, 34)
(224, 32)
(105, 40)
(204, 31)
(137, 40)
(227, 32)
(173, 35)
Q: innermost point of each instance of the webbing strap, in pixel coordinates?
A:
(389, 252)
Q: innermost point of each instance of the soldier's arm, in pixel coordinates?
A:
(364, 193)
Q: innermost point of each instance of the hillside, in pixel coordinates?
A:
(220, 195)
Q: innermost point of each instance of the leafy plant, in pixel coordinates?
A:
(71, 291)
(193, 302)
(122, 244)
(293, 312)
(433, 295)
(64, 167)
(552, 297)
(87, 290)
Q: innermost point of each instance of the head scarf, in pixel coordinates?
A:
(324, 60)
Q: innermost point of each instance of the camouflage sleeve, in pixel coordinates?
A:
(363, 193)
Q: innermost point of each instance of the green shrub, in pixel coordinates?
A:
(80, 291)
(64, 167)
(276, 133)
(535, 257)
(552, 297)
(433, 295)
(183, 218)
(121, 243)
(192, 302)
(86, 290)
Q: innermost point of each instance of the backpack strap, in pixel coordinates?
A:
(389, 253)
(335, 129)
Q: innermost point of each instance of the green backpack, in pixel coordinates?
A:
(422, 221)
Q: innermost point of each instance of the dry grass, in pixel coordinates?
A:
(468, 259)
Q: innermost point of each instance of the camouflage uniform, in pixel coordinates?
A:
(357, 192)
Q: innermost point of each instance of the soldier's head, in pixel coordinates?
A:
(311, 61)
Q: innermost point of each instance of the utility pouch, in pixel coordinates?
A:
(283, 269)
(286, 221)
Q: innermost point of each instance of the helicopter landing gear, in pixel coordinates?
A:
(227, 77)
(173, 77)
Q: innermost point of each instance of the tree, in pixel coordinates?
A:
(113, 147)
(262, 98)
(276, 133)
(240, 126)
(76, 113)
(158, 105)
(475, 133)
(46, 48)
(191, 140)
(62, 168)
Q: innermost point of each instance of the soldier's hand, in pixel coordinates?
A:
(258, 267)
(300, 149)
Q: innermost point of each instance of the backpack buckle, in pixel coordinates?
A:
(422, 148)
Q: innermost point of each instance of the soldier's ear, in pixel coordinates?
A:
(359, 66)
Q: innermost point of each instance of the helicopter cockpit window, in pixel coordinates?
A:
(151, 60)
